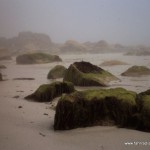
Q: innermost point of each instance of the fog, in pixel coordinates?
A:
(98, 49)
(126, 22)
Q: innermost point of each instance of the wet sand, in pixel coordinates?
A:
(26, 125)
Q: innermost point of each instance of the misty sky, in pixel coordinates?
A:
(116, 21)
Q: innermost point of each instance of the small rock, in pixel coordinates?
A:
(19, 91)
(45, 114)
(24, 79)
(20, 107)
(42, 134)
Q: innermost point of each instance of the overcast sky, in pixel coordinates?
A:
(116, 21)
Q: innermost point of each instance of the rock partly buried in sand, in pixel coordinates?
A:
(136, 71)
(113, 63)
(23, 78)
(95, 107)
(1, 79)
(2, 67)
(47, 92)
(87, 74)
(57, 72)
(144, 109)
(37, 58)
(5, 58)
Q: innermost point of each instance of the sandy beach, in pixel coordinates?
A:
(26, 125)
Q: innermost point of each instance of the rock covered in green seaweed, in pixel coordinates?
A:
(87, 74)
(57, 72)
(144, 109)
(95, 107)
(37, 58)
(47, 92)
(136, 71)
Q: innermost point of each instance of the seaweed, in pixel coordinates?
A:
(87, 74)
(136, 71)
(47, 92)
(95, 107)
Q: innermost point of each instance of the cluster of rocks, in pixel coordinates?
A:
(75, 109)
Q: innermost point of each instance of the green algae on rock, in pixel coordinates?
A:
(144, 109)
(136, 71)
(87, 74)
(57, 72)
(47, 92)
(95, 107)
(37, 58)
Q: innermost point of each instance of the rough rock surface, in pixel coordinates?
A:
(47, 92)
(136, 71)
(87, 74)
(104, 107)
(95, 107)
(144, 109)
(57, 72)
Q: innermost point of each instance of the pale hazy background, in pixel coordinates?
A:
(116, 21)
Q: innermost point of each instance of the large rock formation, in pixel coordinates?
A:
(95, 107)
(87, 74)
(103, 107)
(33, 41)
(140, 50)
(136, 71)
(97, 47)
(27, 41)
(72, 47)
(47, 92)
(37, 58)
(57, 72)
